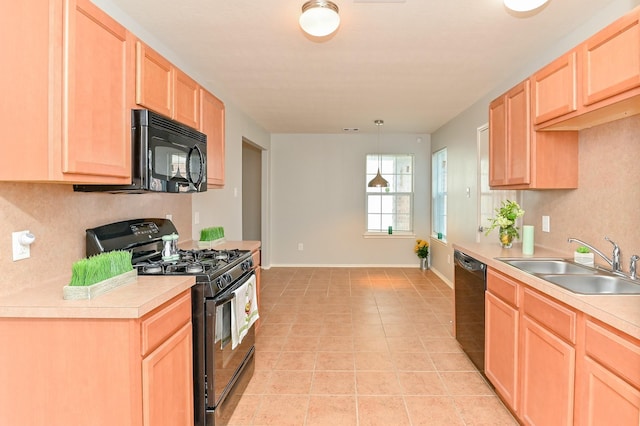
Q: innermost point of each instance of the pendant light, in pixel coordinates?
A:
(319, 18)
(378, 181)
(524, 5)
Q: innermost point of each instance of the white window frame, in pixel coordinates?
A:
(439, 194)
(390, 170)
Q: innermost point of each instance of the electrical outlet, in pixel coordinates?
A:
(21, 245)
(449, 259)
(546, 224)
(300, 246)
(168, 216)
(196, 218)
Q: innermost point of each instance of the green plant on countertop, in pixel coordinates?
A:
(505, 218)
(100, 267)
(211, 234)
(583, 249)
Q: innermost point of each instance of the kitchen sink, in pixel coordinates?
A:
(574, 277)
(594, 284)
(549, 266)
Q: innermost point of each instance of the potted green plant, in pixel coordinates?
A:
(422, 250)
(505, 219)
(583, 255)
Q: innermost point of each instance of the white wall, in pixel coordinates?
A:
(459, 136)
(318, 199)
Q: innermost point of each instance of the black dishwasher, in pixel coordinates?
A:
(469, 287)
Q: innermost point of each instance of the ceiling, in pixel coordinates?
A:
(415, 64)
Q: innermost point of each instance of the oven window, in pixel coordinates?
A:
(223, 324)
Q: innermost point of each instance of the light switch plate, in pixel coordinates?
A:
(546, 224)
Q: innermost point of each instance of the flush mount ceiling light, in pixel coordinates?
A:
(319, 18)
(524, 5)
(378, 181)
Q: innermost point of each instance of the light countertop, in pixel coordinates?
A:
(127, 301)
(44, 300)
(619, 311)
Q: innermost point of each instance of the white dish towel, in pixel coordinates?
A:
(244, 311)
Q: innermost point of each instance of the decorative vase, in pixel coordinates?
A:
(506, 237)
(424, 263)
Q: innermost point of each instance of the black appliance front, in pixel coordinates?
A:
(166, 156)
(226, 370)
(469, 288)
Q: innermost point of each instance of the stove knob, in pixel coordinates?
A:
(247, 264)
(219, 283)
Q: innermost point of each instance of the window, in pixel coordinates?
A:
(439, 194)
(391, 206)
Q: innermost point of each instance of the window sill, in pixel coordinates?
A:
(406, 235)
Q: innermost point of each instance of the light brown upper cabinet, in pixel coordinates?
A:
(153, 80)
(607, 80)
(212, 125)
(73, 125)
(163, 88)
(555, 87)
(519, 157)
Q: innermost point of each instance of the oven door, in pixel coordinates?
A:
(224, 365)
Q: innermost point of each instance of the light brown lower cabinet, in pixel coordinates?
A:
(99, 371)
(608, 379)
(501, 340)
(554, 365)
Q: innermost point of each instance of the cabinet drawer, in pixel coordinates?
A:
(619, 354)
(554, 316)
(165, 321)
(502, 286)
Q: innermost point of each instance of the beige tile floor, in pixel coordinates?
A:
(362, 346)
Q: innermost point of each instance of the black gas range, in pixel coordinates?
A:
(221, 367)
(155, 253)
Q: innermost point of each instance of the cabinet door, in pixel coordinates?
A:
(554, 89)
(167, 382)
(212, 124)
(186, 95)
(497, 143)
(605, 398)
(610, 60)
(154, 79)
(518, 134)
(27, 84)
(547, 371)
(96, 129)
(501, 348)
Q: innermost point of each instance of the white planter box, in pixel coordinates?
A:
(583, 258)
(75, 292)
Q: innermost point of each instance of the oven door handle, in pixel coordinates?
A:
(225, 299)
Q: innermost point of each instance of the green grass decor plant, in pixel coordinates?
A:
(211, 234)
(100, 267)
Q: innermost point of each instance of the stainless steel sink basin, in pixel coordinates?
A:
(549, 266)
(594, 284)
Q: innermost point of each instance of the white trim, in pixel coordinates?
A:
(398, 234)
(415, 265)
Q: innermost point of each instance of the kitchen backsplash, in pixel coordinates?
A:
(607, 201)
(58, 217)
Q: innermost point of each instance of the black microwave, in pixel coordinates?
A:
(166, 156)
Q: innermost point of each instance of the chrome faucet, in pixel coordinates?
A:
(632, 266)
(614, 262)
